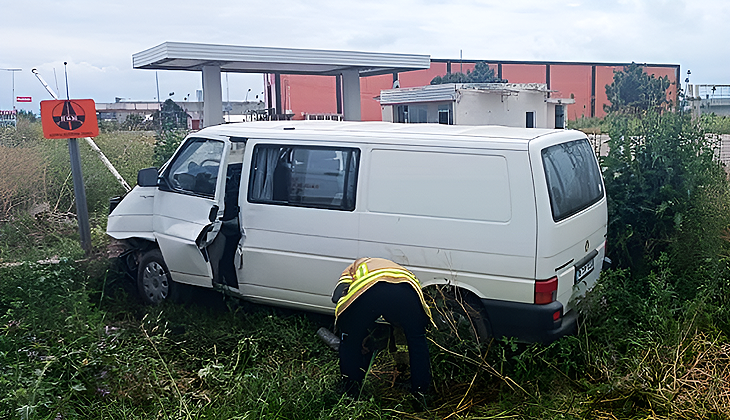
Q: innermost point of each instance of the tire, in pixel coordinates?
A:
(153, 279)
(459, 316)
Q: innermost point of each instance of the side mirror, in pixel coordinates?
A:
(147, 177)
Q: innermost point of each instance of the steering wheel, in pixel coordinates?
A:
(214, 162)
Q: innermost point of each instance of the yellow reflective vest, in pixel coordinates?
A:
(365, 272)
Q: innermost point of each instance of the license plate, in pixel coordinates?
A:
(583, 270)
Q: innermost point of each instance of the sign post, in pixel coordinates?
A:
(82, 212)
(70, 119)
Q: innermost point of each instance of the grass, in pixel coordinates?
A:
(588, 125)
(76, 343)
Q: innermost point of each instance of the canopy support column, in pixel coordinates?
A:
(212, 96)
(351, 95)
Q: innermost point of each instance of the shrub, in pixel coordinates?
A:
(715, 124)
(166, 142)
(666, 191)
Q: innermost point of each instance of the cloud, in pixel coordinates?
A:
(98, 39)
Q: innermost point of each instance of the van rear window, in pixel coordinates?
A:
(573, 178)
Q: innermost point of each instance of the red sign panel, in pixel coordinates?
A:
(66, 119)
(23, 99)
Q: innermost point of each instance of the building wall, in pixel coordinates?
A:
(584, 82)
(572, 82)
(471, 105)
(476, 108)
(308, 94)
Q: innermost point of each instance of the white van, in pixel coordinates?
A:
(511, 220)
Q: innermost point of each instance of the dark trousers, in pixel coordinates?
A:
(400, 305)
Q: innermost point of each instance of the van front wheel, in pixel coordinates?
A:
(153, 278)
(459, 316)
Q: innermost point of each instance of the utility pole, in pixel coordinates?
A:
(13, 81)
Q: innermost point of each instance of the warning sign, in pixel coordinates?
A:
(66, 119)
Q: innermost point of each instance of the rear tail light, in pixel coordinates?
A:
(546, 291)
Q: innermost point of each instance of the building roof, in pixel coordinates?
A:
(243, 59)
(449, 91)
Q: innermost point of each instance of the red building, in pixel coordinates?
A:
(303, 95)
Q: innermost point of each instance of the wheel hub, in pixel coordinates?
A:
(155, 283)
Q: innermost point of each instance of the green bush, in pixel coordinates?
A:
(715, 124)
(166, 142)
(666, 191)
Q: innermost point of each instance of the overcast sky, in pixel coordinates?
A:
(98, 38)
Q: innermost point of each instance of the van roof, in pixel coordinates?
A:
(373, 131)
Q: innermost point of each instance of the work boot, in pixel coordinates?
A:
(351, 388)
(420, 401)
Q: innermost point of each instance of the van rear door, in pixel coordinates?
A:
(188, 208)
(571, 212)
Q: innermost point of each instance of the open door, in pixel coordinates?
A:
(189, 207)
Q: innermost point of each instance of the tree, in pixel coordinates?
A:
(172, 124)
(482, 74)
(27, 115)
(136, 122)
(170, 116)
(633, 91)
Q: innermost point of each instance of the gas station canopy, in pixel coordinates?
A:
(212, 59)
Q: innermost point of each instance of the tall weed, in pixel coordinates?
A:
(663, 184)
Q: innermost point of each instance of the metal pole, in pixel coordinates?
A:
(82, 212)
(13, 83)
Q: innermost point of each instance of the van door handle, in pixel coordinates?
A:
(564, 265)
(213, 213)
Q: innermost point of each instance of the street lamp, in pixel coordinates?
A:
(13, 78)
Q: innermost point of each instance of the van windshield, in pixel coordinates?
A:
(573, 178)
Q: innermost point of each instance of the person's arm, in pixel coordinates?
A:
(343, 285)
(340, 291)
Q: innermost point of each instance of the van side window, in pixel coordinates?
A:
(195, 168)
(306, 176)
(573, 178)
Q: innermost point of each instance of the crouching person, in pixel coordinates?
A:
(368, 289)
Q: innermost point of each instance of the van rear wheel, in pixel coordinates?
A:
(153, 278)
(459, 316)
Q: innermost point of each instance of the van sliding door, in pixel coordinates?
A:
(300, 221)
